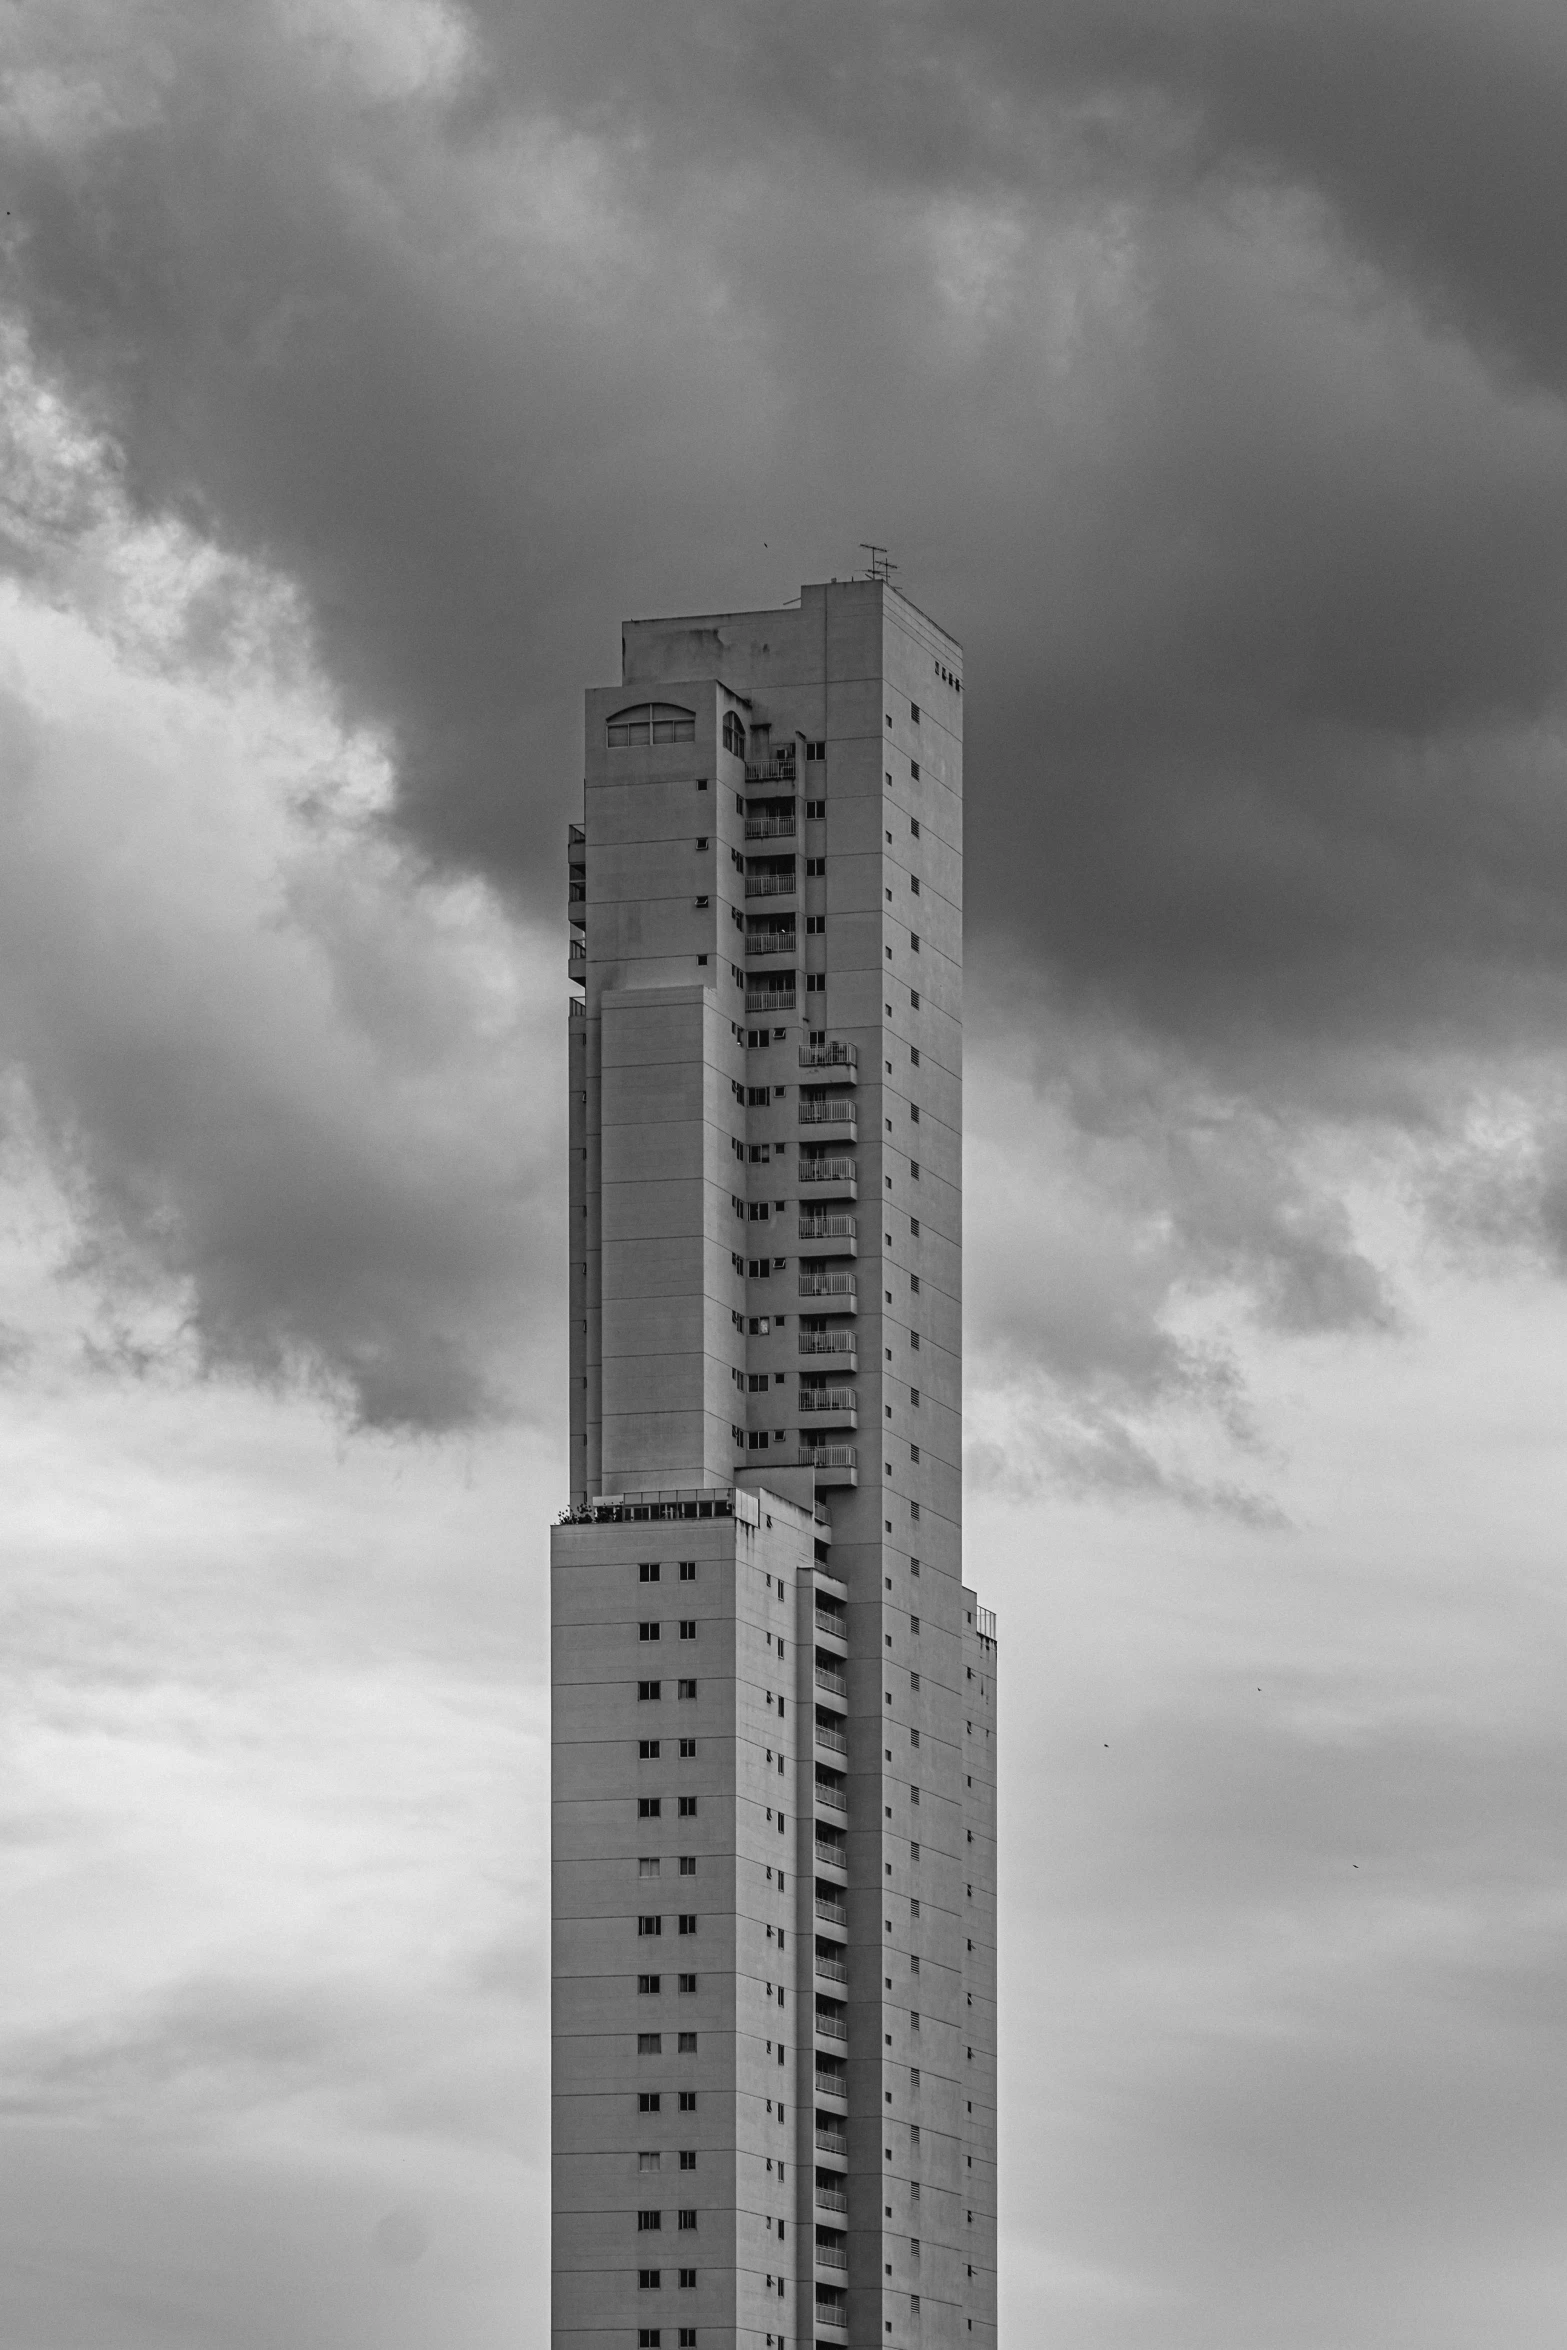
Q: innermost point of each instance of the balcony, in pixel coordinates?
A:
(840, 1403)
(833, 1740)
(832, 1856)
(826, 1285)
(833, 2085)
(832, 2027)
(830, 2315)
(835, 1464)
(826, 1678)
(576, 837)
(832, 2142)
(770, 942)
(826, 1170)
(833, 1969)
(770, 827)
(772, 999)
(830, 1056)
(831, 1620)
(815, 1225)
(832, 1798)
(828, 2256)
(828, 1342)
(779, 769)
(838, 1113)
(831, 2199)
(985, 1622)
(832, 1913)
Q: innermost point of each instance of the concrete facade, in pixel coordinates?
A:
(775, 1698)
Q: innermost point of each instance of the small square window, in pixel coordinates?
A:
(687, 2043)
(688, 1570)
(687, 1925)
(688, 1749)
(648, 1983)
(685, 1689)
(647, 1571)
(649, 1807)
(650, 2043)
(688, 1859)
(648, 1631)
(688, 1627)
(687, 1983)
(688, 2101)
(687, 1807)
(687, 2222)
(647, 1750)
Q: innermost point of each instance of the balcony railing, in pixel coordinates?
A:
(826, 1170)
(829, 1056)
(832, 1856)
(829, 2314)
(770, 999)
(832, 1968)
(829, 1399)
(985, 1622)
(828, 2256)
(834, 1740)
(831, 2142)
(838, 1113)
(780, 769)
(830, 2198)
(832, 2085)
(576, 836)
(769, 828)
(834, 1682)
(770, 942)
(827, 1342)
(769, 885)
(832, 1798)
(828, 1228)
(832, 2027)
(828, 1621)
(830, 1456)
(825, 1285)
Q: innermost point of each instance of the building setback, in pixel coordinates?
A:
(774, 1755)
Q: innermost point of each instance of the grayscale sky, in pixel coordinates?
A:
(1204, 365)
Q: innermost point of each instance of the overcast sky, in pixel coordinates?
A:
(1204, 365)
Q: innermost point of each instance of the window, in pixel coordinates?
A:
(650, 2337)
(914, 942)
(687, 2221)
(649, 1689)
(644, 722)
(687, 2043)
(914, 713)
(701, 839)
(647, 1868)
(649, 1926)
(914, 1056)
(688, 1570)
(647, 1572)
(687, 1807)
(688, 1627)
(649, 2222)
(816, 809)
(687, 1983)
(914, 999)
(649, 1807)
(687, 1924)
(914, 770)
(647, 1750)
(688, 1864)
(914, 884)
(700, 902)
(914, 1399)
(685, 1689)
(648, 2161)
(688, 2101)
(814, 752)
(650, 2043)
(815, 866)
(914, 827)
(648, 1983)
(816, 983)
(914, 1285)
(647, 1631)
(816, 926)
(734, 735)
(688, 1750)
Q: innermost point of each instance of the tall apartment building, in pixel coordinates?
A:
(774, 1696)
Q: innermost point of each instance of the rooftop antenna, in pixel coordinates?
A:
(878, 567)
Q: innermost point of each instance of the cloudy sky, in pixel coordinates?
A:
(1204, 364)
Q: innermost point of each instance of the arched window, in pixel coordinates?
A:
(734, 735)
(651, 722)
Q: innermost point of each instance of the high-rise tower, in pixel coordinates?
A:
(774, 1697)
